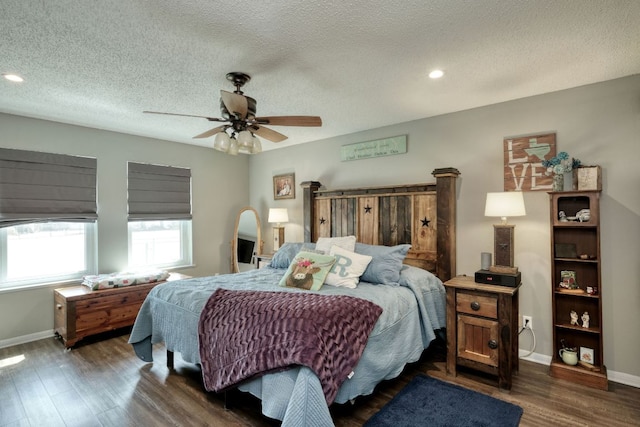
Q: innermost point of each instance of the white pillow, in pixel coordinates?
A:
(347, 269)
(325, 243)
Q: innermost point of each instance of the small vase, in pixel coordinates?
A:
(568, 181)
(558, 182)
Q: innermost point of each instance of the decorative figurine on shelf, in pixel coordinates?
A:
(574, 317)
(583, 215)
(585, 319)
(562, 216)
(568, 279)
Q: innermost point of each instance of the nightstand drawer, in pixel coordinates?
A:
(477, 304)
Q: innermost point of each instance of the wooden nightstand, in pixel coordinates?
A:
(263, 260)
(482, 328)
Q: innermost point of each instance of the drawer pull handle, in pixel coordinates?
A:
(493, 344)
(475, 306)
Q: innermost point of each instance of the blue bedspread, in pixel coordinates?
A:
(411, 314)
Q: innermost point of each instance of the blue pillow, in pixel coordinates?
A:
(287, 252)
(386, 263)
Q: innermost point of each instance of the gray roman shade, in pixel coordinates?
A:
(159, 192)
(37, 186)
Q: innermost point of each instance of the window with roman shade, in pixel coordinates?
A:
(36, 186)
(159, 225)
(159, 192)
(48, 213)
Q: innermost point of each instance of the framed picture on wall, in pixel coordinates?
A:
(284, 186)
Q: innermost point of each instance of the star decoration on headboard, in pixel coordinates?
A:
(322, 220)
(367, 209)
(425, 222)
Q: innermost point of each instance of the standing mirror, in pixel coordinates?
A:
(247, 240)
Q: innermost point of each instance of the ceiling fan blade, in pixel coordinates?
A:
(267, 133)
(236, 104)
(211, 119)
(290, 120)
(211, 132)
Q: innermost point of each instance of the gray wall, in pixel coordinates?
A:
(219, 190)
(599, 124)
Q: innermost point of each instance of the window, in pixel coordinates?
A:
(159, 216)
(47, 217)
(159, 243)
(46, 252)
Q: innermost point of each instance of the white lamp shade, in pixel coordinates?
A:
(245, 140)
(278, 215)
(221, 142)
(257, 145)
(233, 148)
(505, 204)
(243, 149)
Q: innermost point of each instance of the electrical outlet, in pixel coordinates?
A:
(527, 322)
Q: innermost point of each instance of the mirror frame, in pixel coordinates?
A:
(234, 241)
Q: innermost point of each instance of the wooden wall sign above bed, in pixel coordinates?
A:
(423, 215)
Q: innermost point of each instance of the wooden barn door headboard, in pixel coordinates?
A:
(423, 215)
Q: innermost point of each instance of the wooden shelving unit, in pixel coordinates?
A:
(575, 247)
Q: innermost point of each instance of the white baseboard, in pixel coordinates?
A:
(26, 338)
(542, 359)
(616, 377)
(622, 378)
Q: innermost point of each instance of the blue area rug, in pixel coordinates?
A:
(426, 401)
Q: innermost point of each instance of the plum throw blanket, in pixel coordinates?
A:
(246, 333)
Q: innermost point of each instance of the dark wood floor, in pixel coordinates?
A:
(102, 383)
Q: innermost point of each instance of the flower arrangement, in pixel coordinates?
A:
(560, 164)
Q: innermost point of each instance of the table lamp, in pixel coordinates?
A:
(278, 216)
(504, 205)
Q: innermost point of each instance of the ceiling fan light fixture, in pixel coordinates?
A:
(257, 145)
(240, 113)
(245, 139)
(244, 150)
(222, 142)
(233, 148)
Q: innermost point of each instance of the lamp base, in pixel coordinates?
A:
(278, 237)
(503, 245)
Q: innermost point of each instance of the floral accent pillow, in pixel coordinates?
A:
(308, 270)
(347, 269)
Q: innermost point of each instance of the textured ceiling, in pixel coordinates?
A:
(357, 64)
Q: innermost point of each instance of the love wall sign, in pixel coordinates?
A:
(523, 156)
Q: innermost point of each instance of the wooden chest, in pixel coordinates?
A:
(80, 312)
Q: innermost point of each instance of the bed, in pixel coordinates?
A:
(409, 233)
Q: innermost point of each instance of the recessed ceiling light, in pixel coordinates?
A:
(436, 74)
(13, 77)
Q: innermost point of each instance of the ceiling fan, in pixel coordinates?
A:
(242, 125)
